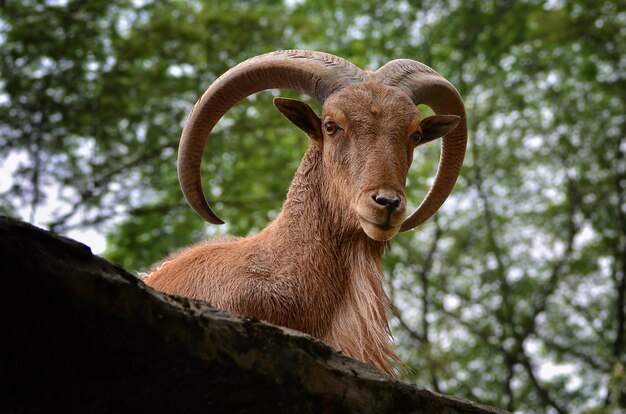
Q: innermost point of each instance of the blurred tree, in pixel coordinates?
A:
(513, 295)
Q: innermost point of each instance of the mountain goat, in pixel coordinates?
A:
(317, 266)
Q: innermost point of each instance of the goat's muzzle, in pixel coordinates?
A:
(381, 213)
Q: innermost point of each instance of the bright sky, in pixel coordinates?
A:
(45, 212)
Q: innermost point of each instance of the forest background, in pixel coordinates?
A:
(514, 294)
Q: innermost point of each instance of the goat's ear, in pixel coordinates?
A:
(437, 126)
(302, 116)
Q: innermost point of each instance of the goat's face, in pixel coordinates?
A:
(368, 133)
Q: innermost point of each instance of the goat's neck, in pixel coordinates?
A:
(313, 215)
(330, 267)
(319, 239)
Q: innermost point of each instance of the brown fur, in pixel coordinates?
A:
(316, 268)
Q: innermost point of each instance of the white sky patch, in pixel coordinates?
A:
(91, 238)
(178, 71)
(293, 3)
(553, 4)
(8, 168)
(46, 211)
(58, 3)
(53, 207)
(549, 370)
(586, 235)
(451, 302)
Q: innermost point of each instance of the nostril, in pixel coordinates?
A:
(389, 202)
(381, 200)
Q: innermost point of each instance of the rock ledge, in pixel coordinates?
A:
(83, 334)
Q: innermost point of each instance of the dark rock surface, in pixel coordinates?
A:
(80, 334)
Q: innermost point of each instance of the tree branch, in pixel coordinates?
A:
(505, 315)
(555, 274)
(543, 393)
(568, 350)
(619, 182)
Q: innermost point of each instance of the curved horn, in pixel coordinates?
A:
(314, 73)
(425, 86)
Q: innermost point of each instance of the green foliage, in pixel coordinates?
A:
(513, 295)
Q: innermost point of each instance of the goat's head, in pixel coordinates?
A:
(367, 131)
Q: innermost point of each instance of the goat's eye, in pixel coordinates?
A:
(330, 127)
(417, 138)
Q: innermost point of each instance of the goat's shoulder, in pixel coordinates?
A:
(197, 251)
(195, 267)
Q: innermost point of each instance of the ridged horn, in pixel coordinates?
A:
(316, 74)
(425, 86)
